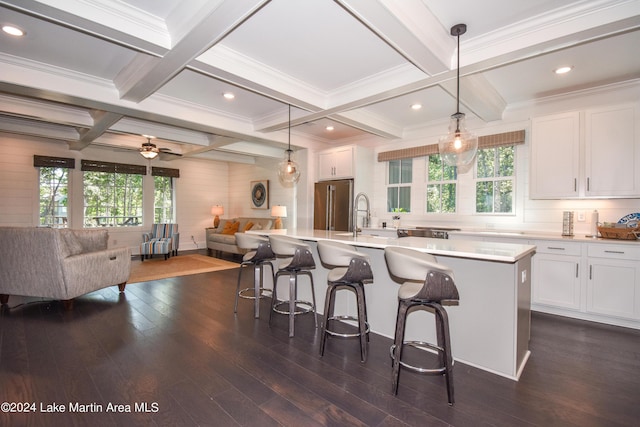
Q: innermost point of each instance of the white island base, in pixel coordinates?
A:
(489, 327)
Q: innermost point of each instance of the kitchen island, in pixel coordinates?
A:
(489, 326)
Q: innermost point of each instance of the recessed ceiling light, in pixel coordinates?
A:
(416, 106)
(14, 31)
(563, 70)
(329, 128)
(228, 95)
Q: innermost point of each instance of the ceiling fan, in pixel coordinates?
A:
(150, 151)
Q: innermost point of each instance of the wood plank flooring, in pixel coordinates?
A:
(176, 346)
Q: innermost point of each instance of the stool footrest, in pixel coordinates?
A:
(298, 310)
(343, 335)
(422, 345)
(243, 293)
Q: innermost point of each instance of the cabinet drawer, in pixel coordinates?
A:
(557, 247)
(614, 251)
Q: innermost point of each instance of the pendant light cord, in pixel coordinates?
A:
(289, 140)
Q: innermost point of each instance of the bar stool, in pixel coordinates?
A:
(298, 261)
(259, 256)
(427, 284)
(351, 270)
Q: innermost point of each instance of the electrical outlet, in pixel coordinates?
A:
(581, 217)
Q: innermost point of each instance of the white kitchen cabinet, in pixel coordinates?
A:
(593, 153)
(613, 285)
(612, 157)
(336, 163)
(555, 155)
(557, 274)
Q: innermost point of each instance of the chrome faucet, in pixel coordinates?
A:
(367, 219)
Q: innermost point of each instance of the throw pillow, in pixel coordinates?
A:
(222, 225)
(247, 227)
(73, 244)
(230, 228)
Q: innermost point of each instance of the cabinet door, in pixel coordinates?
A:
(326, 167)
(555, 152)
(613, 288)
(343, 162)
(611, 154)
(556, 280)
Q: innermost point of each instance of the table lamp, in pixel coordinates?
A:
(216, 211)
(279, 212)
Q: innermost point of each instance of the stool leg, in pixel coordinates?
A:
(328, 312)
(445, 343)
(274, 296)
(398, 342)
(313, 298)
(257, 284)
(293, 293)
(235, 306)
(362, 320)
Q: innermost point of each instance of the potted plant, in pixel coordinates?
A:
(396, 216)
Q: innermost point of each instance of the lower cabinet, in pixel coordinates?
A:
(557, 274)
(613, 282)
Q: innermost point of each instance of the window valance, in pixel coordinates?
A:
(97, 166)
(487, 141)
(53, 162)
(171, 173)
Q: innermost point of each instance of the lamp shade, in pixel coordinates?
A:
(279, 211)
(149, 150)
(217, 210)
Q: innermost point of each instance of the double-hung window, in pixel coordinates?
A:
(164, 194)
(441, 186)
(495, 180)
(112, 194)
(399, 177)
(54, 190)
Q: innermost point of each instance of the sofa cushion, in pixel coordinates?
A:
(247, 226)
(74, 247)
(231, 228)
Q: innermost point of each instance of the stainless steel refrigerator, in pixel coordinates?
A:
(333, 205)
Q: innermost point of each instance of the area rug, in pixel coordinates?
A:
(181, 265)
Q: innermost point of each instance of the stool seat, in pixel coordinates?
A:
(295, 259)
(259, 256)
(426, 283)
(351, 270)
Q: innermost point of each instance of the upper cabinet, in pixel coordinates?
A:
(594, 153)
(336, 163)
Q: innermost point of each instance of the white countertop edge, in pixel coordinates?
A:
(533, 235)
(471, 249)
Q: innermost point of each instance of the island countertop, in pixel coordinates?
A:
(471, 249)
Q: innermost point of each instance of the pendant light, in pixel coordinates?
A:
(148, 150)
(458, 147)
(288, 170)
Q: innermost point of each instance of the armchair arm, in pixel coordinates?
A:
(146, 237)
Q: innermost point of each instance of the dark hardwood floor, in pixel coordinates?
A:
(176, 346)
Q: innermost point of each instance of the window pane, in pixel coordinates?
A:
(53, 196)
(484, 196)
(394, 171)
(449, 198)
(485, 162)
(406, 171)
(505, 161)
(163, 199)
(433, 198)
(392, 198)
(404, 196)
(112, 199)
(504, 196)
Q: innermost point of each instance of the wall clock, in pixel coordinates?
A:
(260, 194)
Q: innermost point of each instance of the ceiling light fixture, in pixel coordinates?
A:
(148, 150)
(329, 128)
(228, 95)
(458, 147)
(416, 106)
(14, 31)
(563, 70)
(288, 170)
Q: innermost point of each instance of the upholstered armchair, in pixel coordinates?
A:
(163, 239)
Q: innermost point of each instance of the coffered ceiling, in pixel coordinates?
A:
(106, 72)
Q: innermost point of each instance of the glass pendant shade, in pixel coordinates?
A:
(459, 146)
(288, 170)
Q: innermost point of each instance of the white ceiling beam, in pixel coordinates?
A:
(479, 96)
(211, 24)
(102, 121)
(410, 28)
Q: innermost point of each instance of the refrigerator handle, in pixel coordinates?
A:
(331, 194)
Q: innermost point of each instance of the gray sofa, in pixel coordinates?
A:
(217, 241)
(59, 263)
